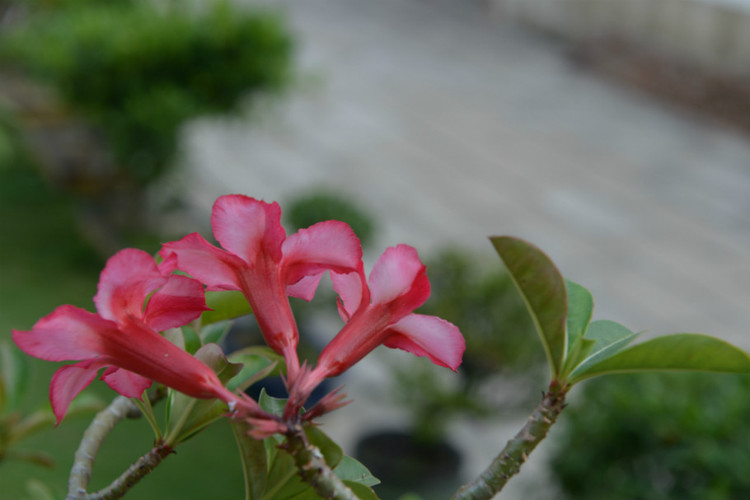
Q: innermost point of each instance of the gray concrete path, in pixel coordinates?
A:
(450, 127)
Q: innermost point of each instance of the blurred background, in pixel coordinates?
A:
(614, 135)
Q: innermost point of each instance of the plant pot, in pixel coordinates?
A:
(406, 465)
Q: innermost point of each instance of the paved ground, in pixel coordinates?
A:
(450, 127)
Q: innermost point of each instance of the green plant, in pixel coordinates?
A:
(657, 436)
(138, 71)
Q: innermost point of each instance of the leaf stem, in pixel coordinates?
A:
(507, 464)
(313, 468)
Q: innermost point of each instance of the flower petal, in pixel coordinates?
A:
(126, 383)
(127, 279)
(429, 336)
(67, 383)
(329, 245)
(399, 273)
(68, 333)
(178, 302)
(247, 227)
(212, 266)
(305, 288)
(352, 291)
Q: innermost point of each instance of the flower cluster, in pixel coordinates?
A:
(138, 298)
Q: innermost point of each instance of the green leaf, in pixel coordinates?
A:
(681, 351)
(225, 305)
(37, 490)
(191, 338)
(350, 469)
(187, 416)
(362, 491)
(214, 333)
(271, 404)
(14, 375)
(257, 363)
(253, 458)
(331, 451)
(543, 290)
(608, 338)
(580, 309)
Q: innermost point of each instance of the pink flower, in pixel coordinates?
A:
(266, 265)
(135, 301)
(383, 314)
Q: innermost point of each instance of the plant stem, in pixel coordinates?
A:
(313, 468)
(507, 464)
(83, 461)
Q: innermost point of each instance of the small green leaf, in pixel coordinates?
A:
(214, 333)
(543, 290)
(191, 338)
(14, 375)
(225, 305)
(331, 451)
(681, 351)
(272, 405)
(351, 469)
(253, 458)
(580, 309)
(187, 416)
(362, 491)
(258, 363)
(608, 338)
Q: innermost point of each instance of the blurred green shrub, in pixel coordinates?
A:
(500, 342)
(657, 437)
(322, 205)
(139, 70)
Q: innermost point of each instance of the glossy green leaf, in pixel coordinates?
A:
(681, 351)
(272, 405)
(257, 363)
(253, 459)
(352, 470)
(331, 451)
(14, 376)
(362, 491)
(609, 338)
(214, 333)
(580, 309)
(543, 290)
(191, 338)
(225, 305)
(283, 483)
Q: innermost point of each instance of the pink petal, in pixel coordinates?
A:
(128, 384)
(67, 383)
(68, 333)
(178, 302)
(329, 245)
(352, 291)
(399, 273)
(212, 266)
(127, 279)
(429, 336)
(305, 288)
(248, 227)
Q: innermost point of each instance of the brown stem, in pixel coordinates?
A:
(313, 467)
(507, 464)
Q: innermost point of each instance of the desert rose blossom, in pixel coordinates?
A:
(259, 259)
(383, 314)
(135, 300)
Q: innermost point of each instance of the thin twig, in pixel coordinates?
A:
(509, 461)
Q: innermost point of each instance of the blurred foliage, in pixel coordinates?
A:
(657, 436)
(322, 205)
(139, 70)
(500, 341)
